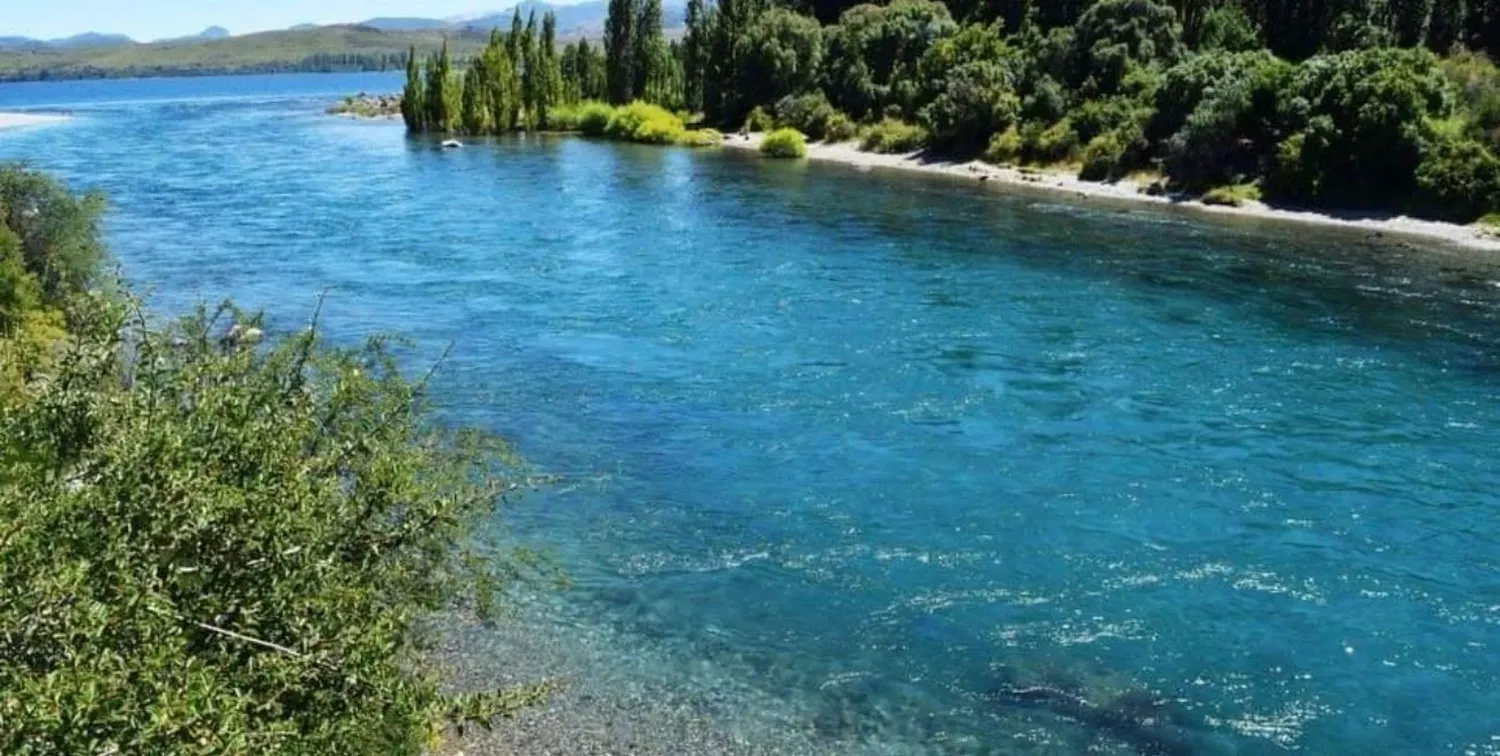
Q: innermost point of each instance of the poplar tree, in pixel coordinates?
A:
(476, 112)
(694, 55)
(649, 53)
(444, 101)
(502, 90)
(550, 86)
(619, 41)
(414, 96)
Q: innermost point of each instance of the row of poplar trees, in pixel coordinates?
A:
(522, 76)
(513, 84)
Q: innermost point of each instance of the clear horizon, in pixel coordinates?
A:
(161, 19)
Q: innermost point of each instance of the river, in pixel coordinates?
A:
(859, 454)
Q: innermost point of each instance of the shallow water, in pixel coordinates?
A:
(859, 452)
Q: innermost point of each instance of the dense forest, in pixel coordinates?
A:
(1389, 105)
(213, 541)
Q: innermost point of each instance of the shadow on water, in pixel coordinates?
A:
(1440, 302)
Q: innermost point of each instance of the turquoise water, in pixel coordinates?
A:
(888, 449)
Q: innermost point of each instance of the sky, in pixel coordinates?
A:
(146, 20)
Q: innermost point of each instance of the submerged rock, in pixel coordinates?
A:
(452, 144)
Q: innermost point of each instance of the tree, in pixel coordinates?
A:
(476, 111)
(1408, 20)
(1114, 37)
(695, 55)
(780, 54)
(1357, 122)
(531, 76)
(1227, 28)
(619, 50)
(549, 84)
(649, 57)
(970, 87)
(1446, 27)
(871, 56)
(414, 96)
(502, 88)
(444, 99)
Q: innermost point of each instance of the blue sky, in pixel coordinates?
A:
(154, 19)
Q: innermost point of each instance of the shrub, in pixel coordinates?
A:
(1055, 143)
(589, 117)
(1233, 195)
(784, 143)
(1005, 147)
(1108, 156)
(645, 123)
(893, 136)
(840, 128)
(759, 120)
(975, 100)
(593, 118)
(808, 113)
(701, 138)
(1363, 117)
(1458, 179)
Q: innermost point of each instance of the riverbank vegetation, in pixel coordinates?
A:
(212, 541)
(368, 106)
(1386, 105)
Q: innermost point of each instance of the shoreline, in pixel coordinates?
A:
(24, 120)
(1127, 190)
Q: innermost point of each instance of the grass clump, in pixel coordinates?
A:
(784, 143)
(1233, 195)
(891, 136)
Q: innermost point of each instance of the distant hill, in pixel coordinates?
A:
(404, 24)
(323, 48)
(581, 20)
(91, 39)
(373, 45)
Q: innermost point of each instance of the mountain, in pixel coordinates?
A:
(214, 32)
(91, 39)
(584, 19)
(404, 24)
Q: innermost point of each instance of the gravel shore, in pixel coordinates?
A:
(1003, 178)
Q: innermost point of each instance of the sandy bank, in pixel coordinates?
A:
(18, 120)
(1001, 178)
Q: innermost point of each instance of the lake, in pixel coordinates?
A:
(862, 457)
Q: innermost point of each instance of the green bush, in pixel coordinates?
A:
(1458, 179)
(893, 136)
(812, 115)
(759, 120)
(840, 128)
(1362, 118)
(784, 143)
(573, 117)
(1053, 144)
(1109, 155)
(645, 123)
(1226, 28)
(1005, 147)
(593, 118)
(210, 545)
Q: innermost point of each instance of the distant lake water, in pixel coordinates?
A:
(885, 450)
